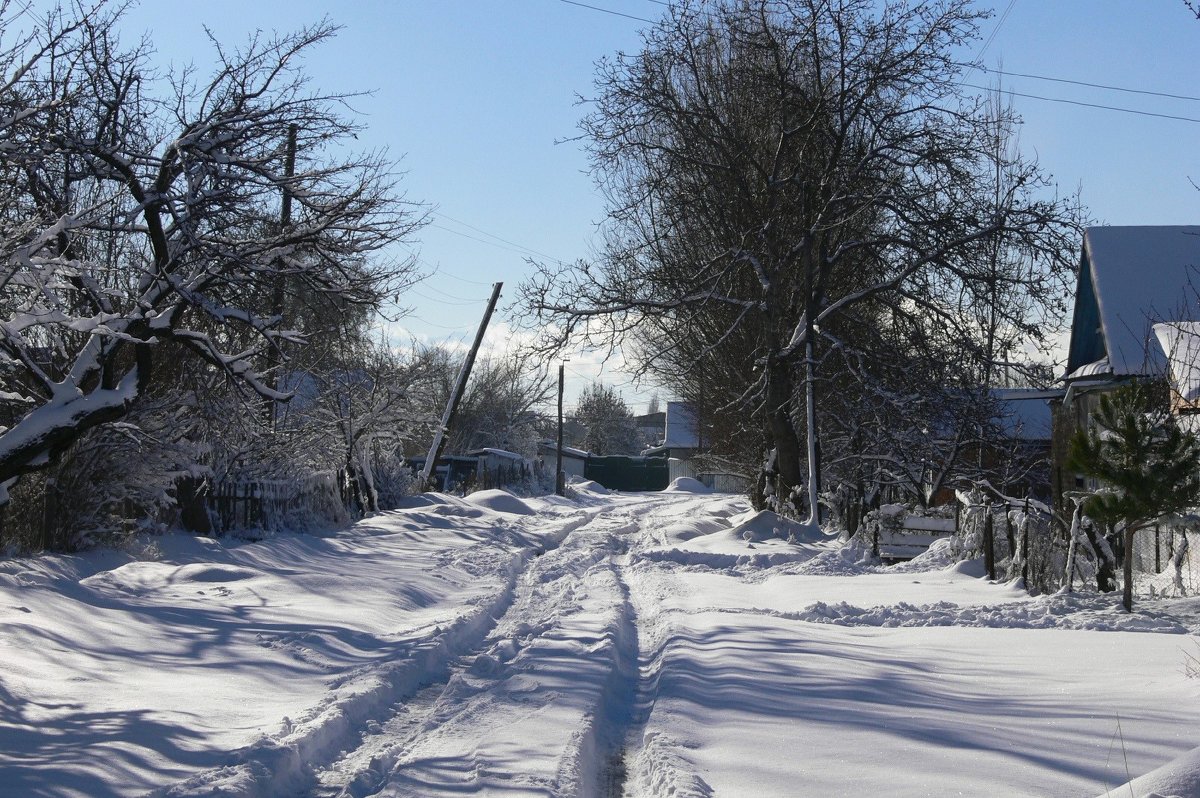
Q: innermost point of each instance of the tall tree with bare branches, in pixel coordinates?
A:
(140, 208)
(780, 171)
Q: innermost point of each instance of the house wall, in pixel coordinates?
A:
(1067, 419)
(571, 466)
(1087, 343)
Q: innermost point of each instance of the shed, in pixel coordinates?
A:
(574, 461)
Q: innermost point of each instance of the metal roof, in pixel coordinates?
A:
(1130, 278)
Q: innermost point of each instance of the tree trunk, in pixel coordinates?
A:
(1128, 597)
(783, 432)
(989, 542)
(1106, 565)
(813, 441)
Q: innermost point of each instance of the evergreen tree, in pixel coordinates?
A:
(1147, 466)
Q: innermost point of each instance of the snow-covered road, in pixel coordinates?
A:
(613, 645)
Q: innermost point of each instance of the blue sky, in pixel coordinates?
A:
(479, 97)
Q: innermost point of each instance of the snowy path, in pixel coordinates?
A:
(631, 646)
(542, 707)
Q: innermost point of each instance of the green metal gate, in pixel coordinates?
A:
(618, 472)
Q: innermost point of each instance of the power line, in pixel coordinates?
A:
(480, 240)
(1088, 105)
(530, 250)
(999, 24)
(444, 301)
(448, 295)
(438, 270)
(607, 11)
(439, 326)
(1085, 83)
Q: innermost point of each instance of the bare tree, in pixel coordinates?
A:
(139, 210)
(774, 167)
(503, 407)
(608, 421)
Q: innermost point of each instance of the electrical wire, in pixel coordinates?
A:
(999, 24)
(1084, 83)
(607, 11)
(460, 328)
(1088, 105)
(448, 295)
(437, 270)
(530, 250)
(452, 231)
(445, 301)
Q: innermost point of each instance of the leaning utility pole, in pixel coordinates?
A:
(560, 486)
(464, 373)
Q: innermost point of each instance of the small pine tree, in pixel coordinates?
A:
(1147, 466)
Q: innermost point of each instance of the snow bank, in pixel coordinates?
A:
(1087, 612)
(443, 504)
(756, 539)
(687, 530)
(500, 501)
(686, 485)
(764, 525)
(1179, 778)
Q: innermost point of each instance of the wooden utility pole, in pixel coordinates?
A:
(560, 483)
(464, 373)
(274, 354)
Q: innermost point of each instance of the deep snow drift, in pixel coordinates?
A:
(644, 644)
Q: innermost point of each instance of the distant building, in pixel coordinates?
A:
(574, 461)
(1027, 422)
(682, 443)
(650, 427)
(1180, 341)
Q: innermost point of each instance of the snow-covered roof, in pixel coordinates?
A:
(1130, 278)
(568, 451)
(1181, 343)
(681, 426)
(1099, 368)
(1025, 412)
(501, 453)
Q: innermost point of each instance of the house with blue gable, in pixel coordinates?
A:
(1130, 280)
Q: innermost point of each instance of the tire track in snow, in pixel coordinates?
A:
(562, 651)
(284, 763)
(649, 763)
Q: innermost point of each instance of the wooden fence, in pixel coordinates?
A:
(309, 502)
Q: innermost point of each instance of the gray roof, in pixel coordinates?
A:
(1025, 412)
(568, 451)
(1130, 278)
(503, 454)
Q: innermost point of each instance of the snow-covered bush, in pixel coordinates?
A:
(116, 479)
(1039, 554)
(885, 521)
(395, 479)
